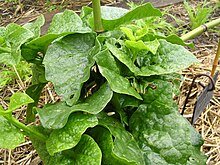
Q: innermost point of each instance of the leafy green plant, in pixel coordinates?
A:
(200, 15)
(116, 85)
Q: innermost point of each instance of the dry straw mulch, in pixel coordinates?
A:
(208, 125)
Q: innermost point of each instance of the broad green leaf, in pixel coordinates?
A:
(69, 136)
(10, 136)
(163, 134)
(85, 152)
(68, 21)
(173, 38)
(168, 59)
(55, 116)
(108, 68)
(151, 46)
(125, 147)
(38, 74)
(18, 99)
(113, 17)
(105, 141)
(67, 64)
(35, 26)
(15, 36)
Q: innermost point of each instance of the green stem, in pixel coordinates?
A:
(200, 29)
(97, 16)
(26, 129)
(7, 50)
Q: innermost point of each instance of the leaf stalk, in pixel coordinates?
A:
(97, 16)
(28, 131)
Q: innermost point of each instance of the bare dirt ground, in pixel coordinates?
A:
(208, 125)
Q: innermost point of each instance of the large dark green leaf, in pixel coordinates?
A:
(10, 136)
(85, 152)
(104, 139)
(56, 115)
(113, 17)
(168, 59)
(108, 68)
(67, 64)
(125, 147)
(163, 134)
(69, 136)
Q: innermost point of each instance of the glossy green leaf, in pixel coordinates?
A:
(18, 99)
(69, 136)
(169, 58)
(163, 134)
(35, 27)
(113, 17)
(85, 152)
(104, 139)
(125, 146)
(55, 116)
(68, 21)
(67, 64)
(10, 136)
(108, 68)
(14, 37)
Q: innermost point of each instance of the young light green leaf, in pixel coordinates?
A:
(68, 21)
(113, 17)
(18, 99)
(151, 46)
(10, 136)
(109, 70)
(125, 147)
(85, 152)
(163, 134)
(67, 64)
(35, 26)
(14, 37)
(70, 135)
(169, 58)
(55, 116)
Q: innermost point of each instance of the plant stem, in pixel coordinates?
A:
(26, 129)
(215, 63)
(7, 50)
(200, 29)
(97, 16)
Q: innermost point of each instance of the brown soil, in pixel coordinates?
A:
(208, 125)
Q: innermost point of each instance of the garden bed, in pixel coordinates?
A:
(208, 125)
